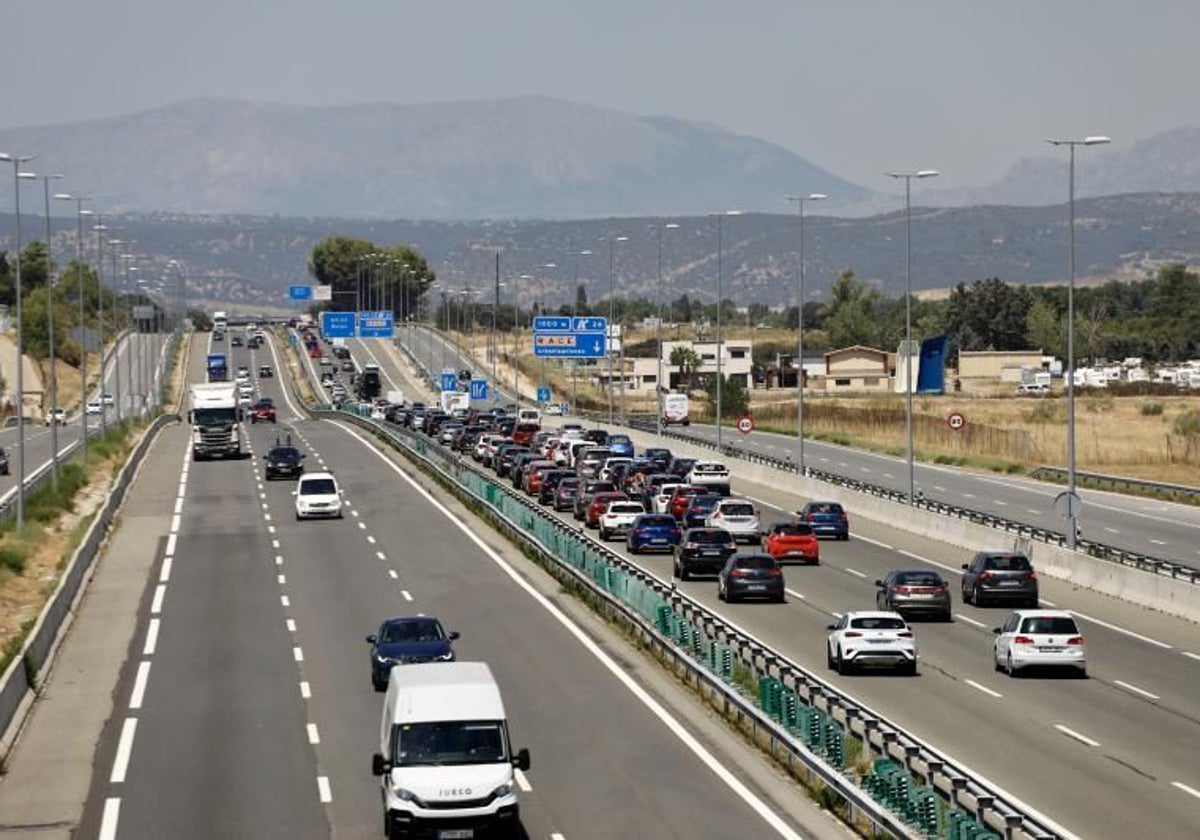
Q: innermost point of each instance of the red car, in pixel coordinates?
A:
(534, 475)
(600, 504)
(523, 433)
(682, 497)
(792, 541)
(262, 412)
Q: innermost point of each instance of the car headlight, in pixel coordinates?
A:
(448, 656)
(384, 660)
(502, 791)
(408, 796)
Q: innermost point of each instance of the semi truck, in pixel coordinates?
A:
(218, 367)
(220, 321)
(216, 420)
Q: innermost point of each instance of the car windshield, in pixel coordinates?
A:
(877, 623)
(758, 561)
(622, 439)
(662, 521)
(449, 742)
(1007, 563)
(285, 454)
(318, 487)
(1058, 624)
(919, 579)
(824, 507)
(213, 416)
(793, 530)
(419, 630)
(625, 507)
(738, 509)
(710, 537)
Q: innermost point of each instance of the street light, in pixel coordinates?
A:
(908, 354)
(612, 313)
(658, 386)
(719, 217)
(79, 214)
(799, 200)
(46, 179)
(574, 314)
(1072, 497)
(517, 338)
(16, 161)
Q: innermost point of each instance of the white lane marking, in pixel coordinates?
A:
(282, 579)
(939, 488)
(171, 540)
(1047, 603)
(1117, 629)
(999, 502)
(182, 486)
(179, 505)
(151, 638)
(522, 782)
(284, 601)
(291, 625)
(305, 690)
(1158, 542)
(1136, 690)
(392, 574)
(164, 574)
(1186, 789)
(156, 604)
(278, 559)
(323, 791)
(405, 595)
(729, 777)
(314, 737)
(1071, 733)
(266, 506)
(855, 572)
(1034, 511)
(915, 556)
(370, 539)
(1191, 655)
(274, 543)
(795, 594)
(124, 748)
(112, 815)
(297, 654)
(354, 513)
(979, 624)
(1111, 530)
(139, 685)
(983, 688)
(175, 524)
(362, 525)
(380, 555)
(270, 528)
(554, 835)
(262, 496)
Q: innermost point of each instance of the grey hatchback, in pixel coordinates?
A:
(999, 576)
(910, 591)
(750, 575)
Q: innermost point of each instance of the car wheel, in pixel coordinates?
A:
(996, 666)
(843, 667)
(633, 550)
(681, 571)
(947, 617)
(1008, 666)
(781, 598)
(1032, 603)
(830, 662)
(721, 592)
(909, 669)
(977, 597)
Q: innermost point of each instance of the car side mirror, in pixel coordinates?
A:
(879, 583)
(454, 634)
(830, 626)
(996, 630)
(521, 762)
(372, 639)
(378, 765)
(302, 457)
(964, 565)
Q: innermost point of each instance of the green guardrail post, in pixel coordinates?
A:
(662, 619)
(835, 747)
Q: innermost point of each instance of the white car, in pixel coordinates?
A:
(606, 472)
(318, 495)
(107, 399)
(553, 410)
(618, 518)
(56, 416)
(737, 516)
(245, 399)
(710, 474)
(1030, 638)
(94, 407)
(663, 498)
(877, 639)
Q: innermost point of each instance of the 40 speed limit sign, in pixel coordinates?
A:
(956, 421)
(745, 424)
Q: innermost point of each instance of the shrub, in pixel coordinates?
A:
(1187, 424)
(1151, 409)
(12, 558)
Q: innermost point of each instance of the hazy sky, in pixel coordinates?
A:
(855, 86)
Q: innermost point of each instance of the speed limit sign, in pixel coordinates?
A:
(956, 421)
(745, 424)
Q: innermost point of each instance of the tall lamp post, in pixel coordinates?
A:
(720, 348)
(799, 202)
(16, 161)
(79, 214)
(574, 313)
(1072, 498)
(658, 383)
(612, 320)
(907, 177)
(46, 179)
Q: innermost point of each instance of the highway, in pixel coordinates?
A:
(1061, 745)
(245, 707)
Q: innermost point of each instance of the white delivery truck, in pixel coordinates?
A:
(445, 761)
(216, 420)
(675, 409)
(456, 403)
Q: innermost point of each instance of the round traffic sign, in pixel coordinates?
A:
(745, 424)
(956, 421)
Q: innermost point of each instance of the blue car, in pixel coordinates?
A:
(405, 640)
(699, 508)
(653, 532)
(827, 519)
(621, 445)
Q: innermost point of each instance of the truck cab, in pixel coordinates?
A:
(215, 419)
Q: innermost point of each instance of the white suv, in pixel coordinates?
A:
(871, 638)
(1030, 638)
(737, 516)
(318, 495)
(618, 518)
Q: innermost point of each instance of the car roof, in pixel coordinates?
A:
(310, 476)
(1044, 613)
(873, 614)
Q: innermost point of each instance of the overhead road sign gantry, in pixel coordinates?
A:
(338, 324)
(376, 324)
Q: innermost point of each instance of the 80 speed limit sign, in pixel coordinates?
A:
(956, 421)
(745, 424)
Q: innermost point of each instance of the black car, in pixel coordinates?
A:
(284, 461)
(549, 488)
(750, 576)
(407, 640)
(3, 462)
(703, 551)
(680, 467)
(265, 371)
(660, 456)
(504, 457)
(1000, 576)
(348, 365)
(565, 492)
(236, 341)
(698, 509)
(596, 436)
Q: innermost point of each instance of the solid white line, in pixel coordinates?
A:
(1186, 789)
(392, 574)
(406, 596)
(179, 505)
(855, 572)
(175, 523)
(282, 579)
(522, 782)
(314, 737)
(124, 748)
(165, 573)
(305, 690)
(108, 822)
(297, 654)
(1191, 655)
(156, 604)
(1071, 733)
(1136, 690)
(291, 625)
(983, 688)
(729, 777)
(284, 601)
(139, 685)
(151, 638)
(171, 540)
(323, 791)
(1117, 629)
(183, 485)
(979, 624)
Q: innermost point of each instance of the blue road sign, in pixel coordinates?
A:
(337, 324)
(449, 381)
(300, 292)
(543, 395)
(376, 324)
(589, 325)
(551, 323)
(479, 389)
(578, 345)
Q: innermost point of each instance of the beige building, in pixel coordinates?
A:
(856, 369)
(641, 373)
(997, 365)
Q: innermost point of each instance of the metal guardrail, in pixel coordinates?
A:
(911, 789)
(1159, 489)
(1099, 550)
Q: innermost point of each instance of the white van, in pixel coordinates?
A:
(529, 415)
(445, 759)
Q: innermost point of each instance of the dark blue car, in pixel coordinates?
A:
(699, 508)
(405, 640)
(621, 445)
(827, 519)
(653, 532)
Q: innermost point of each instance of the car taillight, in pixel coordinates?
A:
(852, 634)
(1031, 576)
(738, 573)
(905, 634)
(1022, 640)
(985, 575)
(774, 573)
(904, 590)
(1075, 640)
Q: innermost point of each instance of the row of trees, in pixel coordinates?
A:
(353, 267)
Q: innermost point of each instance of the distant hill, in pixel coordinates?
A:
(249, 261)
(531, 157)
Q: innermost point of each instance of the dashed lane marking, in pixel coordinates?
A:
(151, 638)
(285, 601)
(1136, 690)
(855, 572)
(522, 782)
(405, 595)
(156, 603)
(171, 541)
(124, 749)
(1071, 733)
(323, 791)
(305, 690)
(164, 573)
(314, 737)
(1188, 789)
(282, 579)
(297, 654)
(139, 685)
(970, 620)
(291, 625)
(110, 818)
(983, 688)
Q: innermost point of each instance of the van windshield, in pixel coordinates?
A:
(439, 743)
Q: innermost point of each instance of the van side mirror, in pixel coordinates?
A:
(372, 639)
(378, 765)
(521, 762)
(454, 634)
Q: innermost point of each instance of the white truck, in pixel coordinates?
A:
(456, 403)
(216, 420)
(675, 409)
(445, 761)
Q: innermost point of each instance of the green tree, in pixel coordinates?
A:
(688, 361)
(1044, 328)
(735, 399)
(850, 317)
(340, 261)
(989, 315)
(581, 300)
